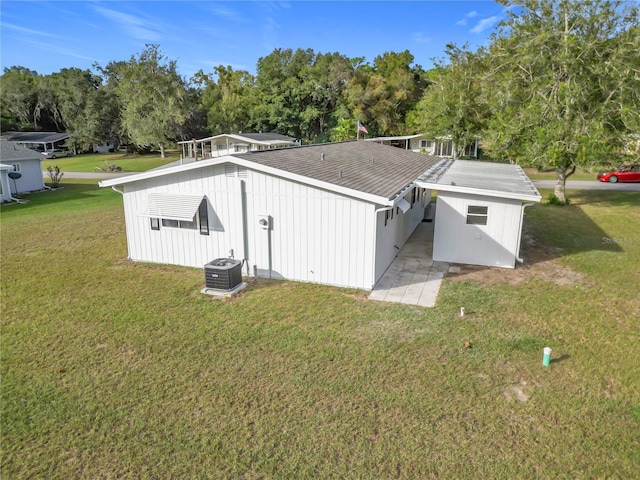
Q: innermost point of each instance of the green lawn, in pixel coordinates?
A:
(112, 369)
(92, 162)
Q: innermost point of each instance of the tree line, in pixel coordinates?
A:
(145, 101)
(558, 85)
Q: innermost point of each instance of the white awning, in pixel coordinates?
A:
(173, 206)
(404, 205)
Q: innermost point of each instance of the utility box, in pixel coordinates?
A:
(223, 274)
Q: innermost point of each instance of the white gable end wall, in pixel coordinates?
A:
(314, 235)
(495, 244)
(31, 179)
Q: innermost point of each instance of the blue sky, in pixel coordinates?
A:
(46, 36)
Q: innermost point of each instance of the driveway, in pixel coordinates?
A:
(590, 185)
(95, 175)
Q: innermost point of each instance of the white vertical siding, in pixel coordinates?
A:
(31, 180)
(393, 236)
(492, 245)
(316, 236)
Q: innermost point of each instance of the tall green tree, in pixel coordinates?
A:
(452, 105)
(381, 95)
(87, 112)
(324, 82)
(281, 95)
(19, 97)
(229, 101)
(152, 97)
(298, 92)
(344, 130)
(564, 83)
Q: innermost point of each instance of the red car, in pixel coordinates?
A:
(628, 173)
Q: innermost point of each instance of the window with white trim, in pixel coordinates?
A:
(477, 215)
(200, 221)
(241, 148)
(187, 225)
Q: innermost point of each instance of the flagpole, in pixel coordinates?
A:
(357, 130)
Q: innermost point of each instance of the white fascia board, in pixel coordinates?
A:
(275, 142)
(160, 172)
(479, 191)
(400, 137)
(376, 199)
(202, 140)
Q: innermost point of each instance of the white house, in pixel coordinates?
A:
(442, 147)
(106, 147)
(22, 160)
(480, 212)
(335, 214)
(229, 144)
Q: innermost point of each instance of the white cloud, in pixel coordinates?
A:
(419, 37)
(485, 23)
(134, 25)
(28, 31)
(228, 13)
(60, 50)
(469, 15)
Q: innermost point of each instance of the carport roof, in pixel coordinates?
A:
(481, 178)
(34, 137)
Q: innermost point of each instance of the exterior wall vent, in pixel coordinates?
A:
(236, 171)
(223, 274)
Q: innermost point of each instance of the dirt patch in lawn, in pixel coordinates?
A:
(539, 263)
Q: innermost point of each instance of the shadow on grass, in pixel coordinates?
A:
(555, 231)
(605, 198)
(561, 358)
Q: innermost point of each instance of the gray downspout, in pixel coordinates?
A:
(245, 224)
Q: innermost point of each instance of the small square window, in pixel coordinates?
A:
(155, 224)
(477, 215)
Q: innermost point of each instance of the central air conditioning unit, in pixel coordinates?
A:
(223, 274)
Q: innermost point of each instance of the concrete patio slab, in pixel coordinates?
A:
(413, 278)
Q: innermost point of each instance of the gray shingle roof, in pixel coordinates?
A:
(264, 137)
(14, 151)
(362, 166)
